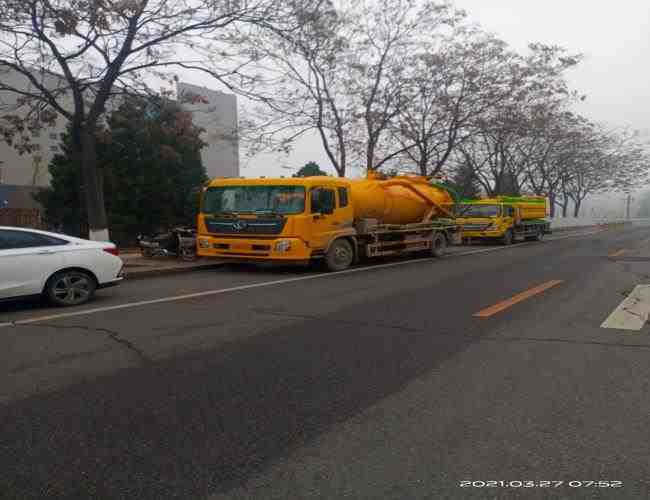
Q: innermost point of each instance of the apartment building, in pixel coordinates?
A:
(217, 114)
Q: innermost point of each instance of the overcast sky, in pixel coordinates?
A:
(613, 36)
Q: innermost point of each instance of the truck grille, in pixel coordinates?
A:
(475, 227)
(245, 226)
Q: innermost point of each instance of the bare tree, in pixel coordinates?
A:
(74, 56)
(614, 160)
(305, 85)
(509, 140)
(345, 75)
(391, 32)
(455, 80)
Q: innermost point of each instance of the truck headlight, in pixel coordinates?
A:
(203, 243)
(282, 246)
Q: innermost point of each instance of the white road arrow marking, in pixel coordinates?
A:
(632, 313)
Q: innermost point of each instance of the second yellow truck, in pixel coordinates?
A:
(504, 218)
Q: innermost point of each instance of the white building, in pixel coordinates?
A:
(218, 117)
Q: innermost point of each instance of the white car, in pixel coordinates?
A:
(64, 269)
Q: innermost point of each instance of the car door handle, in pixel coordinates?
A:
(45, 252)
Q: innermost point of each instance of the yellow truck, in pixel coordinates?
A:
(335, 220)
(504, 218)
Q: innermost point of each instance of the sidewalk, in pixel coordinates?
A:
(136, 266)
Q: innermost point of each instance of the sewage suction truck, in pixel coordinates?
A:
(504, 218)
(335, 220)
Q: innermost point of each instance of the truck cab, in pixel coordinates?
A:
(288, 220)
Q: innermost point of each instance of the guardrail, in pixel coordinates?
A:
(574, 222)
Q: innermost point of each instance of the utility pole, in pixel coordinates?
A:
(627, 206)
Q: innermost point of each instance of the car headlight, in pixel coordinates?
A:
(282, 246)
(203, 243)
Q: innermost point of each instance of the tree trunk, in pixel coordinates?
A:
(565, 206)
(94, 189)
(370, 156)
(576, 207)
(422, 167)
(551, 200)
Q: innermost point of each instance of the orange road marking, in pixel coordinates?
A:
(617, 253)
(496, 308)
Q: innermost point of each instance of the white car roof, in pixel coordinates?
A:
(62, 236)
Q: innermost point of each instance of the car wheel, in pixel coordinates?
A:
(438, 245)
(340, 256)
(70, 288)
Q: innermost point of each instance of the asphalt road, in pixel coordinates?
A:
(379, 383)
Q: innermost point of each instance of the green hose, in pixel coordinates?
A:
(454, 194)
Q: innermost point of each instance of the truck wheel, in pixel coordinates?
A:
(438, 245)
(339, 256)
(507, 238)
(537, 236)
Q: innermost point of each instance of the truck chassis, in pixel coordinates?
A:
(386, 239)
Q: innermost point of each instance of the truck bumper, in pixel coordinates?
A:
(244, 249)
(481, 234)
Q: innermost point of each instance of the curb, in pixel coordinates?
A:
(150, 273)
(578, 228)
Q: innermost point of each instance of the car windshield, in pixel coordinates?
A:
(478, 210)
(253, 199)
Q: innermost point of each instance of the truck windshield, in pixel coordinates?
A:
(253, 199)
(478, 211)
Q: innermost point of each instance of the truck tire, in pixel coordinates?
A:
(339, 256)
(537, 236)
(438, 244)
(507, 238)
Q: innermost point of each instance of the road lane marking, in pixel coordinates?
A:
(617, 253)
(208, 293)
(632, 312)
(508, 303)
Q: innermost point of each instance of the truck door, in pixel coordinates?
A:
(324, 224)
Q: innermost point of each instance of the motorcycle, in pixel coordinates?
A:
(180, 242)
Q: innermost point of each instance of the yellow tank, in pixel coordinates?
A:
(398, 200)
